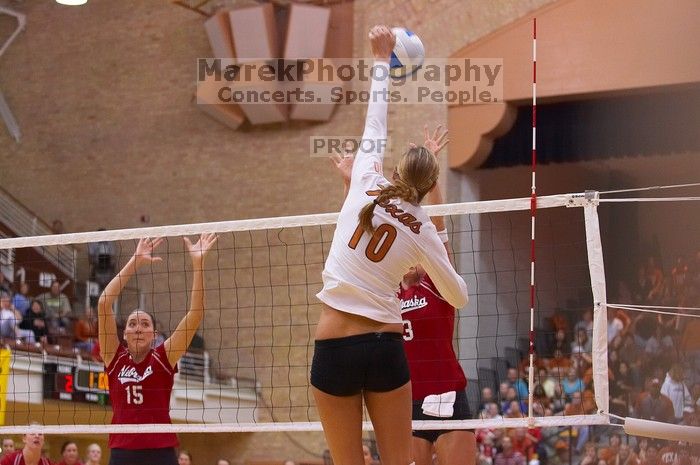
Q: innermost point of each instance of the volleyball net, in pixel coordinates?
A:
(248, 366)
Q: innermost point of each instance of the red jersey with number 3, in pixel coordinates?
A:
(140, 393)
(429, 323)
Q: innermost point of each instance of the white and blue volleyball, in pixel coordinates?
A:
(408, 54)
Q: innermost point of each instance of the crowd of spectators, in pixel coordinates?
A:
(46, 318)
(654, 374)
(33, 444)
(33, 447)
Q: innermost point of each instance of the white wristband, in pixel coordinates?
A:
(443, 235)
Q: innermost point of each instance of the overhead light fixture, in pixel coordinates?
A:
(72, 2)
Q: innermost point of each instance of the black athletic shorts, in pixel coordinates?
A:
(461, 412)
(164, 456)
(348, 365)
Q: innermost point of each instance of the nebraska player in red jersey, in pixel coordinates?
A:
(429, 323)
(30, 454)
(140, 376)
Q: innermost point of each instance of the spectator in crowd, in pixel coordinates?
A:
(21, 299)
(620, 388)
(610, 452)
(560, 322)
(515, 410)
(558, 401)
(675, 389)
(539, 397)
(655, 278)
(625, 456)
(559, 360)
(94, 455)
(184, 457)
(695, 393)
(517, 383)
(690, 342)
(485, 450)
(641, 449)
(57, 308)
(35, 320)
(8, 447)
(30, 453)
(367, 455)
(486, 398)
(8, 319)
(508, 456)
(652, 456)
(582, 344)
(523, 441)
(561, 453)
(630, 353)
(585, 323)
(572, 383)
(668, 455)
(546, 381)
(85, 333)
(560, 342)
(582, 403)
(69, 452)
(103, 259)
(5, 285)
(641, 286)
(683, 455)
(503, 396)
(652, 405)
(615, 325)
(590, 454)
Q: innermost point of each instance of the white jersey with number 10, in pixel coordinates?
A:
(362, 271)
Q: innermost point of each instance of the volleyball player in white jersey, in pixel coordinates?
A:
(382, 231)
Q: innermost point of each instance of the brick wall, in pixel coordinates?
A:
(103, 94)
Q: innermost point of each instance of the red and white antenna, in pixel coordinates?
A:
(533, 210)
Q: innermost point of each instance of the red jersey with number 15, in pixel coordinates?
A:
(140, 393)
(429, 323)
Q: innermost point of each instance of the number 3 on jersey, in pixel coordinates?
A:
(407, 330)
(134, 394)
(379, 244)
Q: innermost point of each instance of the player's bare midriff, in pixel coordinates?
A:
(334, 323)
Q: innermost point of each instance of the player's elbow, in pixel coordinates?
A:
(461, 295)
(462, 300)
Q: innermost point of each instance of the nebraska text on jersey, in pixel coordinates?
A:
(413, 304)
(130, 375)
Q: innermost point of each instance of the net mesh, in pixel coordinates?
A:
(248, 366)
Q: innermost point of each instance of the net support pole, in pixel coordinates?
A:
(596, 269)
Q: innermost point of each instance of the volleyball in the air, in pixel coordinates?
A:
(408, 53)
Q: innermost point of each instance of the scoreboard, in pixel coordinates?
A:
(75, 383)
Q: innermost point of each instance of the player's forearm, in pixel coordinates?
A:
(181, 338)
(197, 294)
(375, 122)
